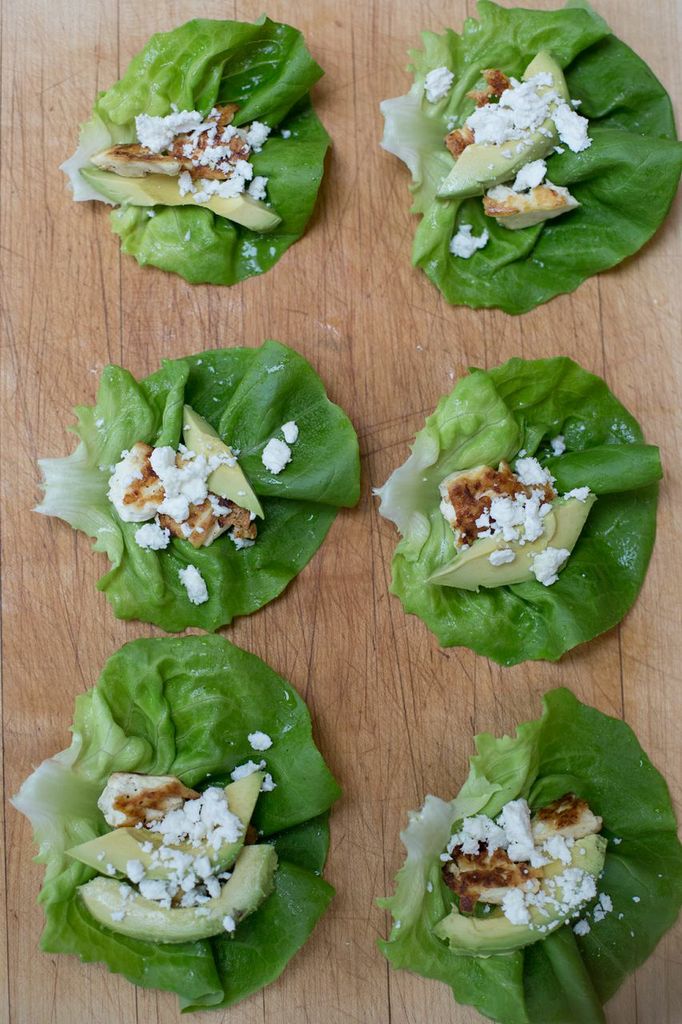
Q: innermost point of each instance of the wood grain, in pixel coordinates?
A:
(393, 714)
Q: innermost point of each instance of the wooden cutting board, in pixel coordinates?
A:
(393, 714)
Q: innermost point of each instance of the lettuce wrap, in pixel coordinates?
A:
(267, 71)
(625, 181)
(185, 706)
(493, 415)
(245, 394)
(563, 978)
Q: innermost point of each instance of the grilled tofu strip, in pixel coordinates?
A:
(487, 877)
(467, 495)
(569, 816)
(134, 161)
(130, 798)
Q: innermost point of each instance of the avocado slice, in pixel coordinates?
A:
(483, 165)
(471, 568)
(226, 481)
(483, 936)
(160, 190)
(124, 844)
(251, 882)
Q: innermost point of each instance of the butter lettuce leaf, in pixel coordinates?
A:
(184, 706)
(493, 415)
(561, 979)
(634, 145)
(246, 394)
(266, 69)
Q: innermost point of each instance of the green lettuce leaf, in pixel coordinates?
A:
(493, 415)
(266, 69)
(246, 394)
(634, 144)
(142, 716)
(561, 979)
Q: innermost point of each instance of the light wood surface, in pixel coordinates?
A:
(393, 714)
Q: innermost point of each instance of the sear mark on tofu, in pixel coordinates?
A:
(458, 140)
(487, 877)
(470, 495)
(569, 816)
(130, 798)
(496, 83)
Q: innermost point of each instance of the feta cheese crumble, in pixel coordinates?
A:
(242, 770)
(522, 110)
(152, 537)
(558, 445)
(464, 244)
(290, 431)
(257, 187)
(502, 557)
(546, 564)
(581, 493)
(157, 133)
(529, 176)
(259, 741)
(276, 455)
(438, 83)
(194, 584)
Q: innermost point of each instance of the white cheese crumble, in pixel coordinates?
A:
(242, 770)
(582, 927)
(502, 557)
(135, 870)
(257, 135)
(559, 848)
(558, 445)
(194, 584)
(276, 455)
(581, 493)
(464, 244)
(438, 83)
(515, 821)
(204, 820)
(259, 741)
(152, 537)
(529, 176)
(157, 133)
(285, 133)
(290, 431)
(523, 110)
(183, 485)
(257, 187)
(229, 923)
(572, 128)
(514, 907)
(546, 564)
(531, 473)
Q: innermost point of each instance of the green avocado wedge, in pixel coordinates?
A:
(250, 883)
(115, 849)
(484, 936)
(161, 190)
(226, 481)
(471, 569)
(481, 166)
